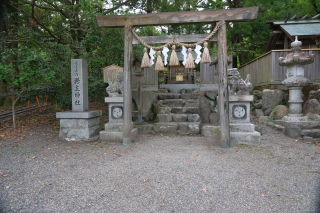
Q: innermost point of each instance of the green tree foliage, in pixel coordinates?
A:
(38, 38)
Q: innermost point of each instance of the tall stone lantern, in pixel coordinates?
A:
(295, 80)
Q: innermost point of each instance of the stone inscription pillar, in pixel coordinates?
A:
(79, 82)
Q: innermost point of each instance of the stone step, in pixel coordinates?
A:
(182, 128)
(179, 102)
(166, 118)
(178, 110)
(163, 96)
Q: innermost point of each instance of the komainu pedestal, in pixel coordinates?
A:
(241, 130)
(114, 129)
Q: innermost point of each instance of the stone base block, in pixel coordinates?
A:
(244, 138)
(116, 136)
(166, 127)
(211, 131)
(115, 127)
(79, 129)
(242, 127)
(300, 124)
(291, 118)
(145, 129)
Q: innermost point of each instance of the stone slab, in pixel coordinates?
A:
(163, 96)
(113, 99)
(179, 86)
(209, 87)
(79, 134)
(145, 129)
(116, 136)
(179, 117)
(293, 132)
(71, 114)
(164, 118)
(250, 138)
(189, 128)
(79, 122)
(166, 127)
(308, 139)
(115, 127)
(211, 131)
(242, 127)
(241, 98)
(118, 107)
(302, 124)
(315, 133)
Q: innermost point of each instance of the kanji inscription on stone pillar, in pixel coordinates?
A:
(79, 82)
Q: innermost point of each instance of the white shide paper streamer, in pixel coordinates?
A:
(197, 50)
(151, 53)
(165, 54)
(184, 53)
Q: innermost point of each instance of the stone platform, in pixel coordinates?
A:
(79, 126)
(301, 124)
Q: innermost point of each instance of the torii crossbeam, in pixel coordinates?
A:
(180, 18)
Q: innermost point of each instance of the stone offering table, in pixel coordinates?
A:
(114, 129)
(79, 124)
(241, 130)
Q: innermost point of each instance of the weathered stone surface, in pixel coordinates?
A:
(88, 114)
(194, 118)
(279, 112)
(308, 139)
(79, 84)
(264, 119)
(204, 108)
(293, 132)
(300, 124)
(245, 138)
(183, 129)
(257, 93)
(244, 127)
(211, 95)
(67, 123)
(117, 136)
(164, 118)
(268, 111)
(311, 106)
(151, 117)
(258, 113)
(165, 127)
(213, 117)
(135, 115)
(145, 129)
(271, 98)
(189, 96)
(258, 104)
(178, 110)
(179, 117)
(174, 102)
(258, 128)
(193, 110)
(312, 116)
(164, 110)
(212, 105)
(314, 95)
(163, 96)
(192, 103)
(194, 128)
(315, 133)
(211, 131)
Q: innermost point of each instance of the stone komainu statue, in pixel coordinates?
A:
(237, 85)
(115, 88)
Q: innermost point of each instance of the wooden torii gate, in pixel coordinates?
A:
(179, 18)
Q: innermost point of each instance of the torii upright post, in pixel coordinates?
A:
(178, 18)
(223, 86)
(127, 96)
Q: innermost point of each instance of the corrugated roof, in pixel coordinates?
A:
(301, 29)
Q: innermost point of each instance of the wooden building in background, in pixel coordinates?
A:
(265, 70)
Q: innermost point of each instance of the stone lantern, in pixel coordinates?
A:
(295, 80)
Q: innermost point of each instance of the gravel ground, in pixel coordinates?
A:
(41, 173)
